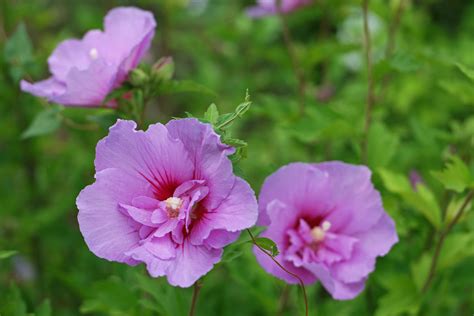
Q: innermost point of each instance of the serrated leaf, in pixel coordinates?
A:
(234, 142)
(212, 114)
(402, 297)
(420, 199)
(394, 182)
(267, 244)
(456, 176)
(45, 122)
(4, 254)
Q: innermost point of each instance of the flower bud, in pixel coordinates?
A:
(163, 69)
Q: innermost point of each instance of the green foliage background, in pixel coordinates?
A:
(423, 118)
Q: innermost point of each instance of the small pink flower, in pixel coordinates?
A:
(270, 7)
(328, 223)
(166, 197)
(85, 71)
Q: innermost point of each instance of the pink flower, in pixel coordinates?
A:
(166, 197)
(85, 71)
(328, 223)
(270, 7)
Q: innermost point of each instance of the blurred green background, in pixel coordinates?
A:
(423, 56)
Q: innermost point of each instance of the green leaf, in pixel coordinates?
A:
(420, 199)
(104, 120)
(111, 296)
(420, 270)
(18, 52)
(424, 201)
(234, 142)
(456, 176)
(453, 208)
(466, 70)
(11, 302)
(382, 146)
(4, 254)
(457, 247)
(402, 297)
(267, 244)
(394, 182)
(231, 255)
(212, 114)
(44, 309)
(117, 94)
(45, 122)
(182, 86)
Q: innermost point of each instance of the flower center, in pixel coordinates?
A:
(319, 232)
(93, 53)
(173, 204)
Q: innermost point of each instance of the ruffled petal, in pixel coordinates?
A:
(107, 231)
(299, 186)
(237, 212)
(354, 203)
(157, 254)
(191, 263)
(338, 289)
(153, 155)
(209, 155)
(220, 238)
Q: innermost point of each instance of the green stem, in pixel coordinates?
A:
(442, 237)
(196, 290)
(294, 59)
(300, 281)
(370, 88)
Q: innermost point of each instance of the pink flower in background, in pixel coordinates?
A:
(328, 223)
(415, 179)
(270, 7)
(166, 197)
(85, 71)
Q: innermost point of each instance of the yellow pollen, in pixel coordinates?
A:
(173, 203)
(319, 232)
(93, 53)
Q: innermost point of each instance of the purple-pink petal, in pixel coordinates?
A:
(164, 192)
(273, 7)
(85, 71)
(328, 222)
(105, 228)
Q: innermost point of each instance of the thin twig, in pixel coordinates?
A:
(284, 269)
(283, 302)
(196, 289)
(393, 28)
(293, 57)
(442, 237)
(389, 49)
(370, 81)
